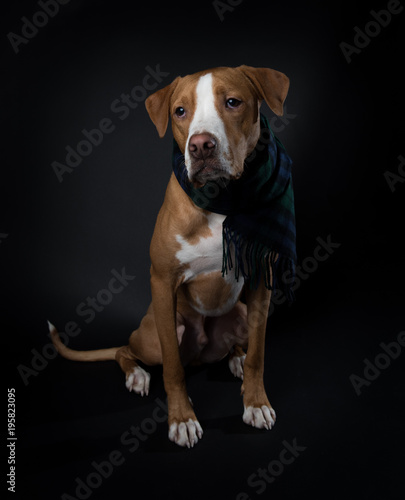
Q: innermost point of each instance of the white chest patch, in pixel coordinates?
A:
(205, 256)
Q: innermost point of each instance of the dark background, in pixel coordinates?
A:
(60, 241)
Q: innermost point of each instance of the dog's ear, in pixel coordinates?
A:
(157, 106)
(270, 85)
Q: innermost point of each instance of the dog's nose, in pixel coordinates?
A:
(201, 145)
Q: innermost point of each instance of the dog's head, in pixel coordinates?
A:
(215, 117)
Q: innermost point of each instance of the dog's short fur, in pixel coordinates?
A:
(196, 314)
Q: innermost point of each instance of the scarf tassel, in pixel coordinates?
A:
(251, 260)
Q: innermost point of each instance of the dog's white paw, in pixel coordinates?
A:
(186, 433)
(236, 366)
(261, 418)
(138, 381)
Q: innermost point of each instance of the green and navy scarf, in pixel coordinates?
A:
(259, 209)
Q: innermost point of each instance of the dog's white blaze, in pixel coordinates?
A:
(207, 120)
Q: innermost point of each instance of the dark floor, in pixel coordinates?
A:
(78, 417)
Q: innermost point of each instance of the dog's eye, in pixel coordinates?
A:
(180, 112)
(233, 103)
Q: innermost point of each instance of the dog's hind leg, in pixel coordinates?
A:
(144, 346)
(137, 379)
(236, 361)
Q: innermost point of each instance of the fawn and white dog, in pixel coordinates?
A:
(215, 122)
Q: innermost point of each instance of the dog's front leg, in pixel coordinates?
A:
(184, 428)
(257, 409)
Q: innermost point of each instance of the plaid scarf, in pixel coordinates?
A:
(259, 209)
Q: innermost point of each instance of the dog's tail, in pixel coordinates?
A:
(66, 352)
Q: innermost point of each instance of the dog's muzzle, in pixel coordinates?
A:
(205, 163)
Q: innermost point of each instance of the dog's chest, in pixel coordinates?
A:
(204, 254)
(207, 291)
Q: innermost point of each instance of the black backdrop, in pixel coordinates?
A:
(60, 242)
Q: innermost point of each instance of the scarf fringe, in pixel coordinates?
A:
(252, 259)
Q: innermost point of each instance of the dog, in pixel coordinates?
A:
(196, 314)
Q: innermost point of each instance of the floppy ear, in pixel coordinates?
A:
(271, 85)
(157, 106)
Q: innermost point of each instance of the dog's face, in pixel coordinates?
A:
(215, 117)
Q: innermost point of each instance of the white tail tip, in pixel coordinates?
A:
(51, 327)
